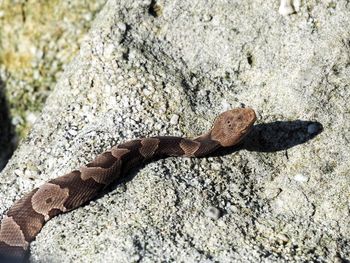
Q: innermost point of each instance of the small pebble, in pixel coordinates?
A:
(213, 213)
(149, 91)
(207, 17)
(125, 101)
(28, 173)
(162, 109)
(271, 193)
(301, 178)
(36, 74)
(297, 5)
(121, 26)
(31, 117)
(283, 237)
(174, 119)
(16, 120)
(158, 126)
(18, 172)
(73, 132)
(225, 105)
(39, 54)
(88, 17)
(286, 8)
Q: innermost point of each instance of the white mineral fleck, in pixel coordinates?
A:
(39, 54)
(125, 101)
(36, 74)
(215, 166)
(213, 213)
(28, 173)
(108, 50)
(148, 91)
(174, 119)
(31, 117)
(158, 126)
(16, 120)
(282, 237)
(162, 109)
(225, 105)
(121, 26)
(88, 17)
(297, 5)
(72, 132)
(301, 178)
(286, 8)
(271, 193)
(18, 172)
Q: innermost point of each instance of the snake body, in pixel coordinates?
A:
(27, 216)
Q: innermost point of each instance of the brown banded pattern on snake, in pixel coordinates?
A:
(27, 216)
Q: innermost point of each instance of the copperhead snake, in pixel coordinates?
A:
(27, 216)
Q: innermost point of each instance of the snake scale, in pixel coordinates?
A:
(27, 216)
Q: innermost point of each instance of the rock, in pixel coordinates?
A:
(200, 58)
(286, 7)
(301, 178)
(174, 119)
(213, 213)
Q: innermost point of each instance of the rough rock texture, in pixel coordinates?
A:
(168, 67)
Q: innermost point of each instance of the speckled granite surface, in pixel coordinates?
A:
(157, 68)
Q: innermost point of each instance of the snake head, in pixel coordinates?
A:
(231, 126)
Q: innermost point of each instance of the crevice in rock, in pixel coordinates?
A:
(155, 9)
(7, 135)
